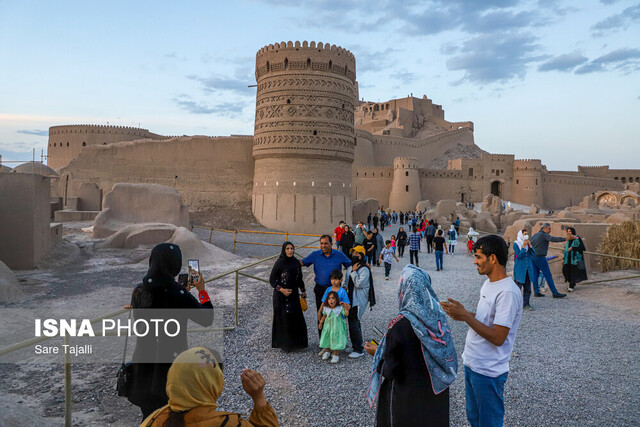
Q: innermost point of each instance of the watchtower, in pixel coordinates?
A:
(304, 136)
(405, 190)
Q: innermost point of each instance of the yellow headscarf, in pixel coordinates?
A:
(195, 379)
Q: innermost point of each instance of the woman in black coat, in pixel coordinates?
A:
(416, 361)
(401, 241)
(347, 240)
(289, 331)
(153, 354)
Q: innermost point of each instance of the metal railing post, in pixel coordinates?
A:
(210, 235)
(67, 382)
(235, 236)
(236, 297)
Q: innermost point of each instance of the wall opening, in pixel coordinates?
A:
(496, 188)
(406, 173)
(406, 187)
(470, 171)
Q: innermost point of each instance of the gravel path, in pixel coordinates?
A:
(575, 360)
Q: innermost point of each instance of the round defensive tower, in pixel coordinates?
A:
(304, 136)
(405, 189)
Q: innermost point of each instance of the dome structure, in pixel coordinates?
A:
(35, 167)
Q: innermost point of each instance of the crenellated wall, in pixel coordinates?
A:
(207, 171)
(66, 142)
(561, 190)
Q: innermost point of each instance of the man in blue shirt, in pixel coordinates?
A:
(414, 246)
(324, 262)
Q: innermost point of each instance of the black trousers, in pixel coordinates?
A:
(319, 293)
(430, 243)
(401, 249)
(413, 254)
(355, 330)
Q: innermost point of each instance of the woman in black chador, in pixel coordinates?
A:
(289, 328)
(153, 354)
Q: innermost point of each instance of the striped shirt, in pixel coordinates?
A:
(414, 241)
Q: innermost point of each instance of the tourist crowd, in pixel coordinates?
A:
(414, 362)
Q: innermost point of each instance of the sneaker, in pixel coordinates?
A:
(559, 295)
(355, 355)
(386, 278)
(334, 359)
(321, 352)
(528, 308)
(326, 355)
(538, 295)
(570, 289)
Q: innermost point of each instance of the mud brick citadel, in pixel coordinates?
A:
(315, 150)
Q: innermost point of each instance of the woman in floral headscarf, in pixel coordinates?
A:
(415, 362)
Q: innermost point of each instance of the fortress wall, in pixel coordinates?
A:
(386, 148)
(372, 188)
(566, 190)
(372, 182)
(363, 151)
(207, 171)
(66, 142)
(451, 184)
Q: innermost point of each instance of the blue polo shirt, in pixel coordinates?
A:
(324, 265)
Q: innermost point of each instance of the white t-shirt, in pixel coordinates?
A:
(500, 304)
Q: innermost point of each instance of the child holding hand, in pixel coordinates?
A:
(334, 327)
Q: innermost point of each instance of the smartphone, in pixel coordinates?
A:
(374, 341)
(183, 279)
(193, 265)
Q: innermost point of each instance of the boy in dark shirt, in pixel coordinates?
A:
(439, 246)
(370, 247)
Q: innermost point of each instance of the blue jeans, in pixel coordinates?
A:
(526, 286)
(541, 265)
(485, 398)
(370, 260)
(387, 269)
(439, 256)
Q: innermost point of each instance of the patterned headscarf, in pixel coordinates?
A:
(420, 305)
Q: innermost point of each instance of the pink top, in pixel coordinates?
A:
(393, 243)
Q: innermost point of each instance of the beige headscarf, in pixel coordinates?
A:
(194, 379)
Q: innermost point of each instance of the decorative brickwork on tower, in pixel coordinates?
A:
(304, 136)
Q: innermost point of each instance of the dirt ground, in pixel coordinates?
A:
(81, 278)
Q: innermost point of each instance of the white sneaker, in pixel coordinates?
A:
(326, 355)
(321, 352)
(386, 278)
(334, 359)
(570, 289)
(355, 355)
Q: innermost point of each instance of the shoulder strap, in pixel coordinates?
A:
(126, 340)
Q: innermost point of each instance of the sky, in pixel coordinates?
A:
(555, 80)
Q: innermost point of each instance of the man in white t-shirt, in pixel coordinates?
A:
(491, 335)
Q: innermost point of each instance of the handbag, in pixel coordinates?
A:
(125, 373)
(303, 303)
